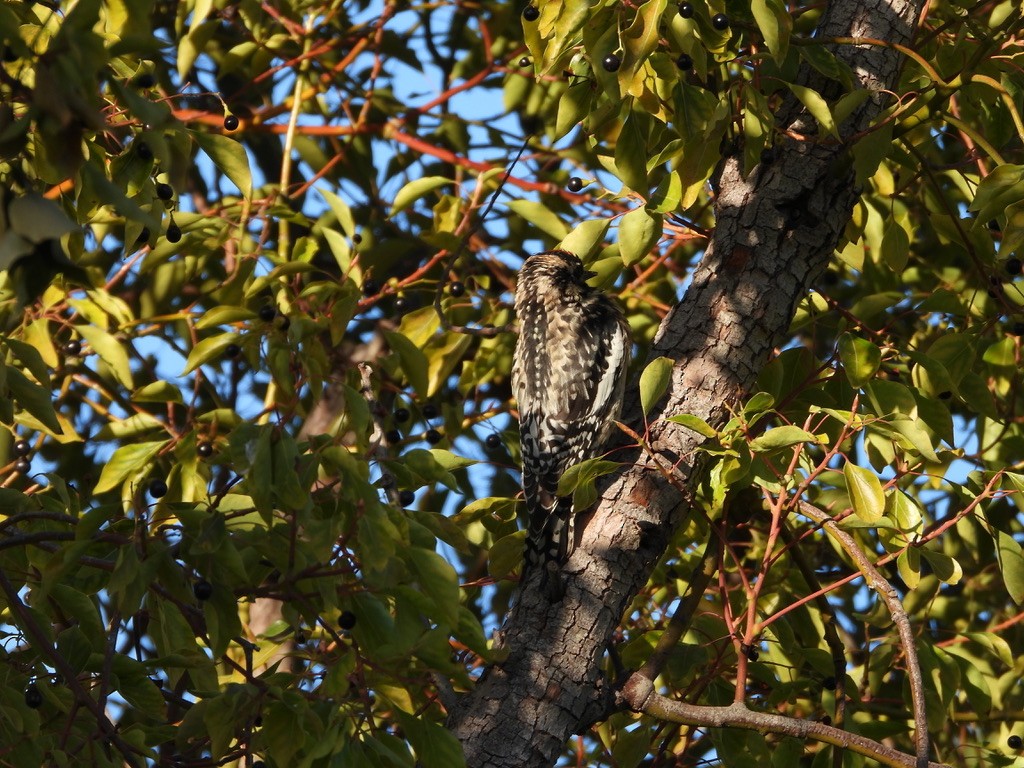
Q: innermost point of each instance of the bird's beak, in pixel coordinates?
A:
(589, 273)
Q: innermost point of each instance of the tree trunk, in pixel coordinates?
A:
(776, 231)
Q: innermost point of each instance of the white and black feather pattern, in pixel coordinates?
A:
(569, 376)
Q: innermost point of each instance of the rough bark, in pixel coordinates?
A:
(776, 231)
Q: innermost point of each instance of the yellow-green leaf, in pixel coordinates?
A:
(111, 351)
(415, 190)
(128, 460)
(654, 382)
(861, 359)
(866, 492)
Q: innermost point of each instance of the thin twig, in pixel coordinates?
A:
(891, 598)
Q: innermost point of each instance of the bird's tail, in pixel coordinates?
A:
(550, 534)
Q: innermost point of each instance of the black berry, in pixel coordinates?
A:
(1013, 266)
(230, 123)
(22, 448)
(267, 313)
(347, 620)
(945, 395)
(393, 436)
(432, 436)
(405, 498)
(826, 720)
(575, 184)
(686, 10)
(752, 653)
(402, 415)
(158, 489)
(143, 150)
(232, 350)
(611, 63)
(173, 233)
(202, 589)
(357, 238)
(1015, 742)
(430, 411)
(525, 61)
(530, 13)
(370, 287)
(401, 304)
(164, 191)
(145, 80)
(33, 697)
(22, 466)
(684, 62)
(204, 450)
(493, 442)
(456, 288)
(143, 237)
(829, 683)
(720, 21)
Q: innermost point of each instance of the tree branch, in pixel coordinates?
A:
(640, 696)
(889, 596)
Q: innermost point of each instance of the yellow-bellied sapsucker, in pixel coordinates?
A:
(569, 376)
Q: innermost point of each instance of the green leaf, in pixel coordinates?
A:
(1011, 564)
(341, 211)
(136, 424)
(866, 492)
(541, 217)
(654, 382)
(695, 423)
(111, 351)
(1002, 354)
(895, 248)
(775, 24)
(29, 356)
(578, 481)
(506, 554)
(945, 568)
(999, 189)
(861, 359)
(631, 155)
(412, 360)
(157, 392)
(586, 238)
(908, 563)
(639, 232)
(781, 437)
(228, 155)
(127, 460)
(33, 398)
(415, 190)
(817, 106)
(435, 746)
(207, 349)
(437, 579)
(669, 194)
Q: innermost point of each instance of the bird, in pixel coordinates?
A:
(569, 377)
